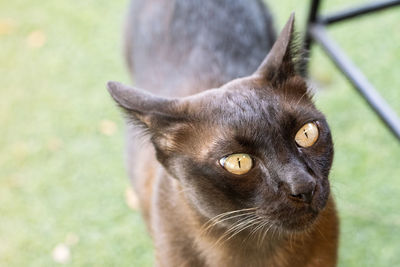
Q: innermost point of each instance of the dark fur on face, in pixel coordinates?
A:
(244, 117)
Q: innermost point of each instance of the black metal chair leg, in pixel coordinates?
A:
(316, 32)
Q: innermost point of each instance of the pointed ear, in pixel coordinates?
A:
(279, 63)
(143, 108)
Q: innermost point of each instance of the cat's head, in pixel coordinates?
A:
(256, 144)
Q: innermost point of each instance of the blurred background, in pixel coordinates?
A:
(64, 195)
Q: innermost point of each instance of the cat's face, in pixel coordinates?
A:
(237, 147)
(286, 182)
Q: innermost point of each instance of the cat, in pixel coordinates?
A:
(226, 151)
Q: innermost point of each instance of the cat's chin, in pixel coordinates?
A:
(299, 222)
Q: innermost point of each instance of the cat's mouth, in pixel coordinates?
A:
(299, 220)
(293, 216)
(292, 219)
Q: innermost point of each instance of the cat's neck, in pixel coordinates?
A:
(245, 248)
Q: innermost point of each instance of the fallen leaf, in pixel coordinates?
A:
(61, 253)
(131, 199)
(108, 127)
(7, 26)
(71, 239)
(36, 39)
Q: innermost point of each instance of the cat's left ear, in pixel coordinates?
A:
(279, 64)
(156, 115)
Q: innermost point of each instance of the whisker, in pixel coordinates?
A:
(261, 223)
(218, 216)
(213, 223)
(254, 231)
(240, 224)
(298, 102)
(229, 212)
(264, 235)
(250, 224)
(239, 228)
(261, 233)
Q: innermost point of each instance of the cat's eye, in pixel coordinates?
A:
(237, 163)
(307, 135)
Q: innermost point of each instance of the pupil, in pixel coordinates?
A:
(305, 133)
(238, 162)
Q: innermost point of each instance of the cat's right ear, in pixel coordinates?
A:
(142, 108)
(279, 63)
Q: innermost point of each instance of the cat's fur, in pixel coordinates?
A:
(200, 58)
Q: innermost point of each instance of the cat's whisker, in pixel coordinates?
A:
(298, 102)
(256, 228)
(239, 227)
(250, 224)
(263, 233)
(266, 232)
(261, 223)
(228, 213)
(275, 233)
(256, 231)
(240, 223)
(233, 211)
(213, 223)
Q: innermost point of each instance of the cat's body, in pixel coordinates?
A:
(180, 48)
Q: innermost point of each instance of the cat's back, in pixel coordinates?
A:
(180, 47)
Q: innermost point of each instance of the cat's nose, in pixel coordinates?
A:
(303, 197)
(301, 189)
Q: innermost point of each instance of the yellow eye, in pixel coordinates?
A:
(307, 135)
(237, 163)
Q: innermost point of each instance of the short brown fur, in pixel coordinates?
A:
(174, 164)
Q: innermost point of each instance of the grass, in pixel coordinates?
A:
(61, 160)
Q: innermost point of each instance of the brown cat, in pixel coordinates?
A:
(232, 168)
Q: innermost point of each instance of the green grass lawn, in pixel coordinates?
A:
(62, 177)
